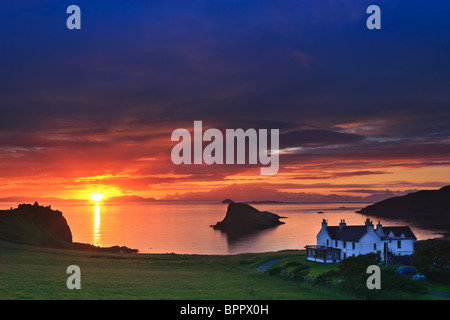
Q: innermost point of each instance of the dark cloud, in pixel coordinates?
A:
(344, 99)
(317, 138)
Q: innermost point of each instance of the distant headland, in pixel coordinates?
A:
(255, 202)
(428, 208)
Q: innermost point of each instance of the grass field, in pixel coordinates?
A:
(28, 272)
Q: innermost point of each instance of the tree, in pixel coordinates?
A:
(432, 258)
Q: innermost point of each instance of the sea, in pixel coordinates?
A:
(185, 227)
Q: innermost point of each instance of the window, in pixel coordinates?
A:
(399, 244)
(328, 242)
(345, 246)
(335, 243)
(374, 246)
(353, 245)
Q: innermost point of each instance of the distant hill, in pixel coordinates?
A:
(265, 202)
(430, 208)
(421, 202)
(124, 199)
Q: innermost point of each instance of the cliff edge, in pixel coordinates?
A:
(36, 225)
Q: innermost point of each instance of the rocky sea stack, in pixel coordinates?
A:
(241, 217)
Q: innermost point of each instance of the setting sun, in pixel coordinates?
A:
(97, 196)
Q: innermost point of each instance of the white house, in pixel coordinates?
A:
(335, 243)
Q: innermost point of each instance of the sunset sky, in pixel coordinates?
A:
(359, 111)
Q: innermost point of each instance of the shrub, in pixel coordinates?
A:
(300, 273)
(274, 271)
(326, 278)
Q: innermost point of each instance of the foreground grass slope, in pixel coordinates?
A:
(31, 272)
(28, 272)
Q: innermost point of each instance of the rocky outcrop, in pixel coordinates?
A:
(241, 217)
(36, 225)
(113, 249)
(42, 226)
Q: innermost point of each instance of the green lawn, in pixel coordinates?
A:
(28, 272)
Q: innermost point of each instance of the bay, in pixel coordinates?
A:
(184, 227)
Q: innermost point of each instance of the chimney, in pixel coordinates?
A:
(369, 224)
(342, 224)
(379, 229)
(324, 224)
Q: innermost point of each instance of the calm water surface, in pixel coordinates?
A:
(185, 227)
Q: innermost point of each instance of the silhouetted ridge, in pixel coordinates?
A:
(428, 208)
(421, 202)
(35, 224)
(42, 226)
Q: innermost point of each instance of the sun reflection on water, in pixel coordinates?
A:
(96, 225)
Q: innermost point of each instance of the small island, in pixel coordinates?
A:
(241, 218)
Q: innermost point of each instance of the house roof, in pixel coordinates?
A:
(347, 233)
(399, 231)
(355, 233)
